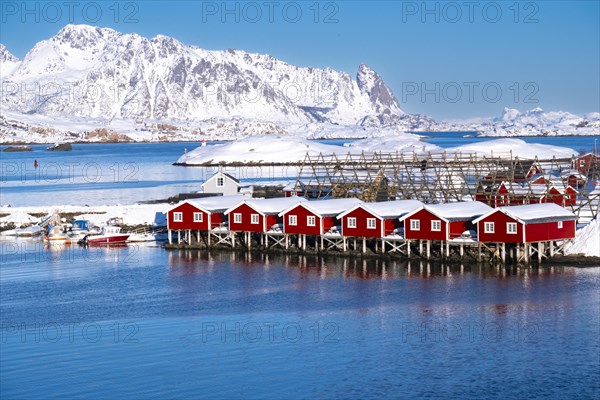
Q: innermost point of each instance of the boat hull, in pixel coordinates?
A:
(116, 239)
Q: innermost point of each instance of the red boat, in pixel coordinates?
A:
(108, 235)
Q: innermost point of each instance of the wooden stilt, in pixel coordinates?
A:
(428, 249)
(364, 245)
(170, 238)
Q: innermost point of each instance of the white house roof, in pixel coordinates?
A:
(224, 175)
(533, 213)
(387, 209)
(213, 203)
(217, 203)
(325, 208)
(269, 206)
(454, 211)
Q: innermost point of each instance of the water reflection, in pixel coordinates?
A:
(186, 262)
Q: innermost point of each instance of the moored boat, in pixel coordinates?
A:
(80, 228)
(56, 234)
(108, 235)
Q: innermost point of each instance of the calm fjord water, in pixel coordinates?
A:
(139, 321)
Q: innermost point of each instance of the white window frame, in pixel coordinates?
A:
(220, 181)
(415, 224)
(581, 163)
(254, 219)
(436, 225)
(487, 226)
(198, 217)
(311, 220)
(177, 217)
(371, 223)
(351, 222)
(511, 228)
(237, 218)
(292, 220)
(559, 224)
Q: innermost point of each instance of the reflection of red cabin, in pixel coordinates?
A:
(196, 214)
(377, 219)
(314, 217)
(259, 215)
(586, 162)
(526, 224)
(442, 221)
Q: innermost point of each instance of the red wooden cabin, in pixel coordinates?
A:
(377, 220)
(196, 214)
(442, 221)
(526, 224)
(259, 215)
(586, 163)
(315, 217)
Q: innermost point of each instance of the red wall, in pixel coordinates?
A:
(361, 229)
(188, 211)
(425, 233)
(534, 232)
(500, 236)
(245, 225)
(301, 228)
(549, 231)
(217, 219)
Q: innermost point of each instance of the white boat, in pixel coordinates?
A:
(30, 231)
(79, 229)
(109, 235)
(56, 233)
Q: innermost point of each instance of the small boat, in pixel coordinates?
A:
(108, 235)
(80, 228)
(30, 231)
(56, 234)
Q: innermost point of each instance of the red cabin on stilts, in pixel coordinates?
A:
(526, 224)
(377, 220)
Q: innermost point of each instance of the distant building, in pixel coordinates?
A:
(221, 183)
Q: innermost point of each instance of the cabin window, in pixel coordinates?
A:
(177, 217)
(237, 218)
(293, 220)
(436, 225)
(197, 217)
(371, 224)
(511, 227)
(560, 224)
(220, 182)
(254, 219)
(582, 163)
(488, 227)
(310, 220)
(415, 225)
(351, 222)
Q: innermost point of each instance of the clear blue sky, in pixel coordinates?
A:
(544, 51)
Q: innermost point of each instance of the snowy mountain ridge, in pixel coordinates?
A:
(104, 73)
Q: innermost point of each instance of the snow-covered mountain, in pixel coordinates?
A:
(8, 62)
(537, 122)
(86, 71)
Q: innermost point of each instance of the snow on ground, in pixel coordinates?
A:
(136, 214)
(516, 147)
(19, 218)
(258, 149)
(401, 142)
(587, 240)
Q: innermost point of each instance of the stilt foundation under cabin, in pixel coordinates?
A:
(449, 251)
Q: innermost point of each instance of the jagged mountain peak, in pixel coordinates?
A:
(162, 78)
(6, 55)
